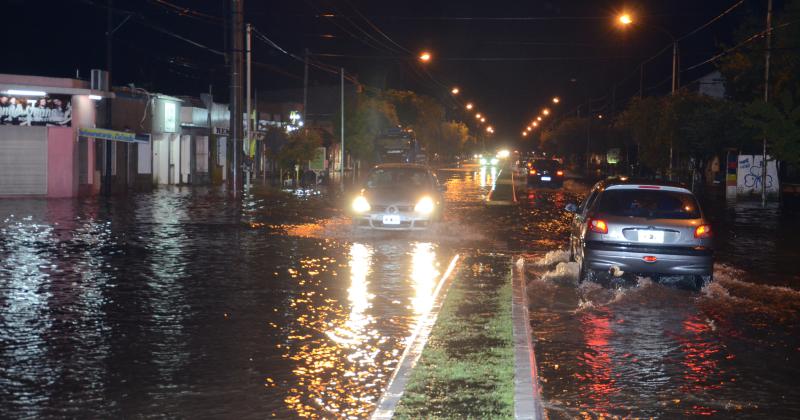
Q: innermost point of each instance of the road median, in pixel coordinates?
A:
(467, 367)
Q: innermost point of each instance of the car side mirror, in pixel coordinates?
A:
(572, 208)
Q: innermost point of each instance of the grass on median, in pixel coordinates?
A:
(467, 367)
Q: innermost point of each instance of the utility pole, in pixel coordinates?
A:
(109, 63)
(766, 100)
(341, 122)
(305, 89)
(237, 7)
(674, 91)
(249, 125)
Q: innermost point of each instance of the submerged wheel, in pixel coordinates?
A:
(702, 281)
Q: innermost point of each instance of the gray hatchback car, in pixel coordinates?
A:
(641, 227)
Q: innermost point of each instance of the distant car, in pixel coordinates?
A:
(398, 197)
(545, 172)
(641, 227)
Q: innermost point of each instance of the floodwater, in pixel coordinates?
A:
(648, 350)
(184, 302)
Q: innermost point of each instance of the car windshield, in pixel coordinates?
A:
(398, 178)
(548, 165)
(649, 203)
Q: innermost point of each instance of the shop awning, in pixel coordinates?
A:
(123, 136)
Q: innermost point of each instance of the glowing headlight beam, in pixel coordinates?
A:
(425, 205)
(361, 205)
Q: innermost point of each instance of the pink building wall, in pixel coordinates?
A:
(61, 162)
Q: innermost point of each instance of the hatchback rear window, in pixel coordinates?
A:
(545, 165)
(649, 204)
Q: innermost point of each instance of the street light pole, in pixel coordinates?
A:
(766, 100)
(249, 124)
(341, 123)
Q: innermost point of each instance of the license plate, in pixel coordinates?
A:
(391, 219)
(651, 236)
(546, 178)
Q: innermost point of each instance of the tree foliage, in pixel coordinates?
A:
(299, 147)
(365, 118)
(422, 114)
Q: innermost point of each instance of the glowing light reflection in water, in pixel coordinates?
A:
(343, 352)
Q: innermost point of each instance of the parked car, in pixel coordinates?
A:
(654, 229)
(399, 196)
(545, 172)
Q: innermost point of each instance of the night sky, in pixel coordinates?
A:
(508, 57)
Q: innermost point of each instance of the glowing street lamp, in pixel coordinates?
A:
(524, 133)
(478, 115)
(556, 100)
(538, 119)
(455, 91)
(425, 57)
(546, 112)
(483, 119)
(469, 106)
(489, 129)
(625, 19)
(535, 124)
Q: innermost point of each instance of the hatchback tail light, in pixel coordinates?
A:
(530, 164)
(533, 172)
(597, 225)
(702, 231)
(560, 173)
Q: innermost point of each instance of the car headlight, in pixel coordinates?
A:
(483, 161)
(494, 161)
(360, 204)
(424, 206)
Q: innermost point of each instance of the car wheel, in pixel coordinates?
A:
(585, 274)
(702, 281)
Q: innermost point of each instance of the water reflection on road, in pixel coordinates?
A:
(183, 302)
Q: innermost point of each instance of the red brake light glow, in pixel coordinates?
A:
(560, 173)
(702, 231)
(649, 258)
(649, 187)
(597, 225)
(533, 172)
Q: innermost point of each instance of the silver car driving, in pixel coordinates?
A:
(646, 228)
(398, 196)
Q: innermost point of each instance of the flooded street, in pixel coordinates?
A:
(183, 302)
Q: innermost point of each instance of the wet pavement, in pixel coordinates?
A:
(185, 302)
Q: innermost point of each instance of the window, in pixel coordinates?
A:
(398, 178)
(651, 204)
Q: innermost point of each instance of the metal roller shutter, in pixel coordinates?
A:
(23, 160)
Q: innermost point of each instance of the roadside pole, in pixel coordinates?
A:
(237, 7)
(766, 100)
(341, 122)
(248, 125)
(108, 122)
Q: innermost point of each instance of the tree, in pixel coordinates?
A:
(779, 122)
(422, 114)
(455, 135)
(364, 120)
(299, 148)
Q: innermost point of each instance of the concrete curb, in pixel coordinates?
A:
(416, 343)
(527, 394)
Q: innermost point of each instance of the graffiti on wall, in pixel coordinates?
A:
(750, 177)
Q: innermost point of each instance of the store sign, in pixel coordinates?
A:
(33, 108)
(170, 117)
(123, 136)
